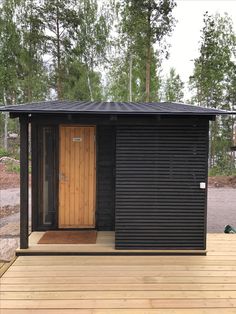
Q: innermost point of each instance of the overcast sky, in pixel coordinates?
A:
(186, 36)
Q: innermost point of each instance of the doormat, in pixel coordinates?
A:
(69, 237)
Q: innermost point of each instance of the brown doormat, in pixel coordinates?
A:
(69, 237)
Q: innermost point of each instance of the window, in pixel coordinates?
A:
(47, 178)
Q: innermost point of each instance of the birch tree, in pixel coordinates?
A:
(91, 34)
(213, 83)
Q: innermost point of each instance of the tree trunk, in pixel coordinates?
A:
(148, 57)
(148, 74)
(6, 131)
(59, 85)
(130, 77)
(89, 84)
(29, 95)
(5, 144)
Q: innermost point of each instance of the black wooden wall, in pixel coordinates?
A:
(105, 209)
(159, 203)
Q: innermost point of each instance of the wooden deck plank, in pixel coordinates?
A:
(132, 280)
(111, 295)
(120, 311)
(49, 286)
(30, 268)
(121, 303)
(123, 273)
(5, 265)
(142, 259)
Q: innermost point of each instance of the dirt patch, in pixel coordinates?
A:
(9, 210)
(8, 180)
(222, 181)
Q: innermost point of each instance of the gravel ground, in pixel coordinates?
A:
(10, 225)
(221, 211)
(10, 197)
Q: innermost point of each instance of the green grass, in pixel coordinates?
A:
(12, 166)
(4, 153)
(222, 171)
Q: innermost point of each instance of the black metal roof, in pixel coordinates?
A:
(89, 107)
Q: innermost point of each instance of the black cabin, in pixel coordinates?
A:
(138, 169)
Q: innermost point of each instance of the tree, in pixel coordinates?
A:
(57, 16)
(128, 84)
(10, 50)
(34, 79)
(76, 82)
(213, 80)
(145, 25)
(173, 87)
(91, 36)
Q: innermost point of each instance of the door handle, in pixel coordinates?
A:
(62, 177)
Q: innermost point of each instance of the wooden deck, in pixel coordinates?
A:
(124, 284)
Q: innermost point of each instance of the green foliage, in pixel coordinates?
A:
(57, 17)
(34, 78)
(76, 82)
(118, 78)
(223, 168)
(143, 27)
(213, 83)
(215, 64)
(173, 87)
(12, 166)
(91, 36)
(10, 50)
(4, 153)
(76, 39)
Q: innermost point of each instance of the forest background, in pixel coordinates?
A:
(113, 50)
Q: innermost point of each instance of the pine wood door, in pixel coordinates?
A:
(77, 177)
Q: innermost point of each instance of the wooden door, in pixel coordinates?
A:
(77, 177)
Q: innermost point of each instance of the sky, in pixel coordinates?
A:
(186, 35)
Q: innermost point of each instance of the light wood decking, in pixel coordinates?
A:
(124, 284)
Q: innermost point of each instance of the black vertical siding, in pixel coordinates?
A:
(159, 203)
(105, 211)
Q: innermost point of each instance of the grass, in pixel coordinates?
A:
(216, 171)
(4, 153)
(12, 166)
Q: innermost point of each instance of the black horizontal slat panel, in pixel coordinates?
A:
(159, 203)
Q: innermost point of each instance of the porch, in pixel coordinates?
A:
(105, 245)
(124, 284)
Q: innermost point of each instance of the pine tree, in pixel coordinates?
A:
(34, 79)
(145, 26)
(57, 16)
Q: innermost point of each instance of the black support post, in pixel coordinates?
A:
(24, 182)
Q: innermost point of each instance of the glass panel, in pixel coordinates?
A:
(48, 177)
